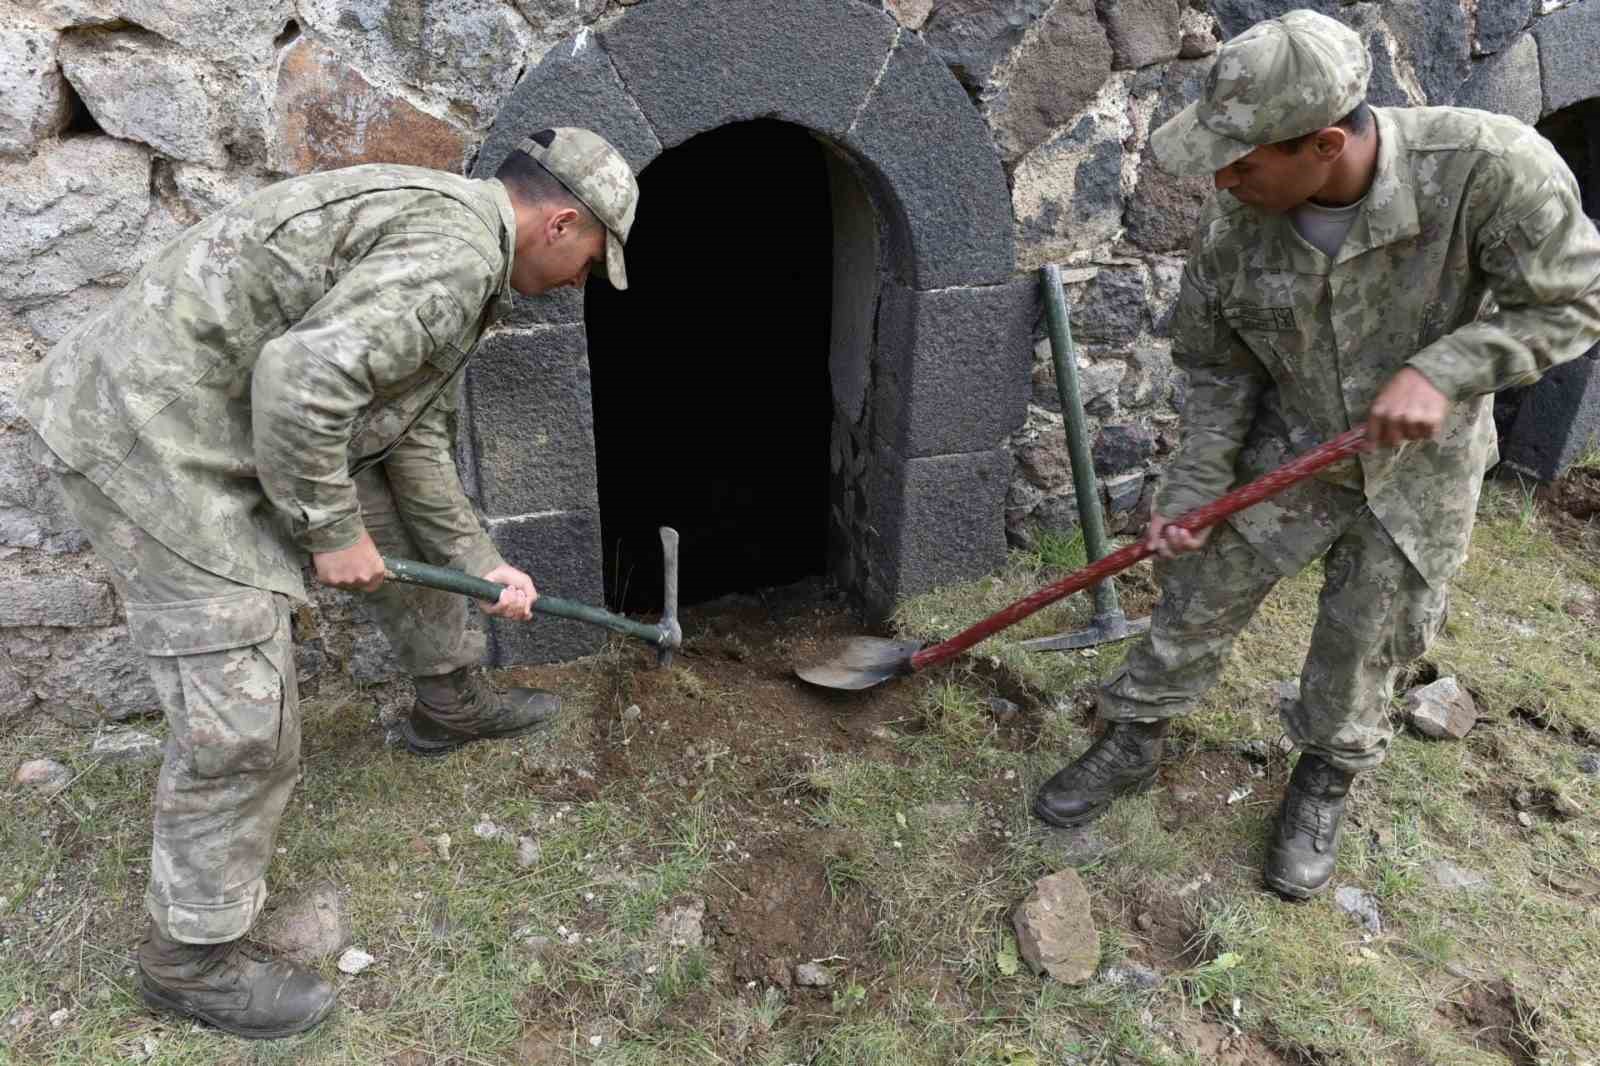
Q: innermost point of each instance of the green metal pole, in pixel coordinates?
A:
(1083, 477)
(446, 580)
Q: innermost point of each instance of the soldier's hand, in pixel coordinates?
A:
(516, 602)
(1168, 540)
(358, 568)
(1407, 408)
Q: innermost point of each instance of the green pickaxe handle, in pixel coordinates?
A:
(665, 635)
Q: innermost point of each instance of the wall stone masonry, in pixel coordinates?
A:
(968, 142)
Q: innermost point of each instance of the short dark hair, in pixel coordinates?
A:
(1357, 123)
(527, 180)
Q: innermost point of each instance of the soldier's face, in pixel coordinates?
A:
(564, 254)
(1272, 180)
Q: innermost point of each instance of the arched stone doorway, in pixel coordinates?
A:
(928, 349)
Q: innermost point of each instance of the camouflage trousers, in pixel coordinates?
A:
(222, 660)
(1376, 614)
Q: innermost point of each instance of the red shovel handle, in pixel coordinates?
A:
(1293, 472)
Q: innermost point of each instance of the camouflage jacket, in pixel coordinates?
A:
(1471, 260)
(224, 397)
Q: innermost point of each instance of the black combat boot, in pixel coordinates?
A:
(457, 708)
(1122, 761)
(235, 986)
(1305, 845)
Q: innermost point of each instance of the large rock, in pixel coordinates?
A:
(1165, 210)
(328, 116)
(1557, 420)
(44, 775)
(1057, 71)
(1500, 21)
(974, 37)
(82, 676)
(1055, 933)
(1109, 310)
(563, 549)
(140, 87)
(1121, 448)
(32, 511)
(1569, 41)
(34, 100)
(1141, 31)
(71, 216)
(1442, 710)
(239, 31)
(1507, 83)
(1236, 16)
(31, 600)
(468, 52)
(1067, 193)
(309, 925)
(1436, 41)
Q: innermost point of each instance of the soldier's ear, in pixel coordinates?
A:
(1329, 143)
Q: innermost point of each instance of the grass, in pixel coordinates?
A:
(483, 960)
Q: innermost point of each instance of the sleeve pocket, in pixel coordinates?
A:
(442, 319)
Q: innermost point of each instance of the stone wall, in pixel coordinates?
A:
(123, 121)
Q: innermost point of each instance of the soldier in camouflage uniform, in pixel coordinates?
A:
(1343, 272)
(280, 381)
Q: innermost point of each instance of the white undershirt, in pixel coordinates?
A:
(1324, 228)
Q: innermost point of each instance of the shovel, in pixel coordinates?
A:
(666, 634)
(862, 662)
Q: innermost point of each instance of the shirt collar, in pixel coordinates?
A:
(508, 232)
(1390, 211)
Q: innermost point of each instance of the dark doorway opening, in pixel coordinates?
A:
(712, 411)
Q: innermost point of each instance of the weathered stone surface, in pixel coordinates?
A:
(45, 775)
(940, 520)
(681, 926)
(1109, 310)
(923, 138)
(71, 216)
(912, 14)
(467, 51)
(32, 512)
(1199, 34)
(354, 961)
(240, 31)
(552, 19)
(1119, 448)
(1057, 71)
(1044, 460)
(1442, 710)
(15, 697)
(1067, 194)
(953, 366)
(1165, 210)
(812, 975)
(199, 192)
(1589, 763)
(126, 746)
(34, 100)
(561, 551)
(806, 61)
(142, 88)
(1386, 87)
(1569, 41)
(574, 85)
(1099, 383)
(1507, 83)
(1448, 875)
(1558, 418)
(1434, 37)
(1132, 975)
(1141, 31)
(82, 675)
(1236, 16)
(371, 660)
(1500, 22)
(328, 115)
(307, 926)
(973, 37)
(33, 600)
(532, 422)
(1055, 932)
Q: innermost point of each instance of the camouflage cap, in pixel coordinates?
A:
(1281, 78)
(597, 175)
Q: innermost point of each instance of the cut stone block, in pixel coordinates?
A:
(561, 552)
(1557, 420)
(1569, 41)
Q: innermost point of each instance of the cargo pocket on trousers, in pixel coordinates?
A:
(231, 656)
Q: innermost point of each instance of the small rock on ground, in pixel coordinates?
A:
(811, 975)
(1590, 763)
(528, 852)
(681, 926)
(1525, 819)
(1133, 975)
(1442, 710)
(353, 961)
(309, 925)
(1055, 932)
(1565, 806)
(126, 746)
(1359, 905)
(1448, 875)
(47, 775)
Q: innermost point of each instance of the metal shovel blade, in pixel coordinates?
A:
(859, 662)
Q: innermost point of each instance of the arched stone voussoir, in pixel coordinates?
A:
(575, 84)
(695, 65)
(1569, 43)
(932, 154)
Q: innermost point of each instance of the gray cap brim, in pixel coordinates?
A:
(616, 269)
(1186, 149)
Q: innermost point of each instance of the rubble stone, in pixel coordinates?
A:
(35, 102)
(46, 775)
(126, 746)
(1067, 193)
(309, 925)
(1055, 933)
(1442, 710)
(1057, 71)
(1141, 31)
(1507, 83)
(64, 600)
